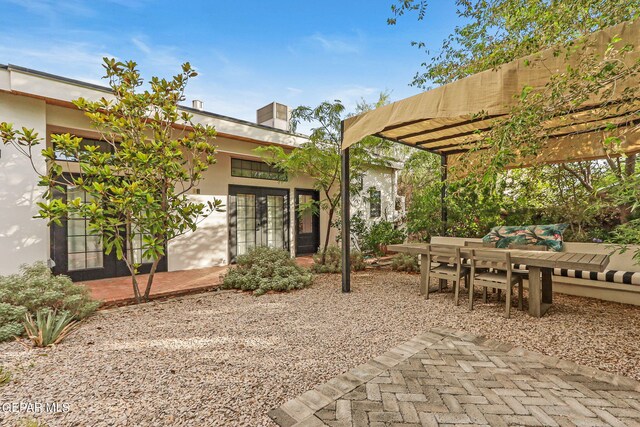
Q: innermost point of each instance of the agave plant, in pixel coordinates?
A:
(5, 376)
(49, 327)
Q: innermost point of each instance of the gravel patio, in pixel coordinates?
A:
(228, 358)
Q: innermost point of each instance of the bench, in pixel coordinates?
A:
(619, 283)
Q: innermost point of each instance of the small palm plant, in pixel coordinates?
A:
(49, 327)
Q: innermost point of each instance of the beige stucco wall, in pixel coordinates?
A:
(209, 244)
(23, 239)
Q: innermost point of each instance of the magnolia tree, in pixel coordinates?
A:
(137, 187)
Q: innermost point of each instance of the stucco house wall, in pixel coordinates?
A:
(36, 100)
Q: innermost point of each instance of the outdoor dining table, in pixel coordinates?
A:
(539, 264)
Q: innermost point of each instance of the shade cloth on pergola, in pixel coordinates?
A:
(448, 120)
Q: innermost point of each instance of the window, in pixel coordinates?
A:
(102, 146)
(138, 249)
(305, 218)
(275, 222)
(246, 222)
(375, 201)
(84, 247)
(259, 170)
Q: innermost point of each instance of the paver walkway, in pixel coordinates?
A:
(449, 378)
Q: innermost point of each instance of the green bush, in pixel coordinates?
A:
(379, 234)
(34, 289)
(266, 269)
(333, 261)
(405, 262)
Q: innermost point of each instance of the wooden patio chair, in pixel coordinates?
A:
(501, 276)
(444, 263)
(474, 244)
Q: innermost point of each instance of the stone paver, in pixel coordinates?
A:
(446, 377)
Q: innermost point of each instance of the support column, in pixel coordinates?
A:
(345, 203)
(443, 192)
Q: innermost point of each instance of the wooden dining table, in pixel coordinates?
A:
(540, 266)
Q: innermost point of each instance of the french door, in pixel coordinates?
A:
(78, 252)
(258, 216)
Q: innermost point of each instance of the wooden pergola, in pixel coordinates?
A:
(448, 120)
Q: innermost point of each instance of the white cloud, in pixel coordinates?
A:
(337, 45)
(142, 46)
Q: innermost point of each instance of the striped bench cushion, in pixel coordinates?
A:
(611, 276)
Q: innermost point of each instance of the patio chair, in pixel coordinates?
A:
(501, 276)
(474, 244)
(445, 263)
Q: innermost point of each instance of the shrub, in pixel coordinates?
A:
(35, 288)
(333, 261)
(379, 234)
(5, 376)
(266, 269)
(49, 327)
(32, 422)
(405, 262)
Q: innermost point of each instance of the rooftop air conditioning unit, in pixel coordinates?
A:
(275, 116)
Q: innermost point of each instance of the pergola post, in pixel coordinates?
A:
(345, 204)
(443, 192)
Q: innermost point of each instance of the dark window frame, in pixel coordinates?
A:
(59, 157)
(244, 168)
(375, 203)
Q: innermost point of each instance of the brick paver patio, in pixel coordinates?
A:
(119, 291)
(449, 378)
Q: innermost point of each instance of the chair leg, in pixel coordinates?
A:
(520, 297)
(484, 294)
(456, 287)
(428, 281)
(499, 294)
(508, 304)
(470, 286)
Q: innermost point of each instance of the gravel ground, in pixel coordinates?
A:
(227, 358)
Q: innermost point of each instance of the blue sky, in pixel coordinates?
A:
(248, 53)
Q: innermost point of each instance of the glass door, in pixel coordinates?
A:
(307, 222)
(258, 216)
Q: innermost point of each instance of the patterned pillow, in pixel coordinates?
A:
(547, 235)
(503, 236)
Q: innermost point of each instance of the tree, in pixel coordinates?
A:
(319, 158)
(137, 184)
(499, 31)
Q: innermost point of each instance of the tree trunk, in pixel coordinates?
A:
(136, 288)
(152, 273)
(128, 259)
(326, 239)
